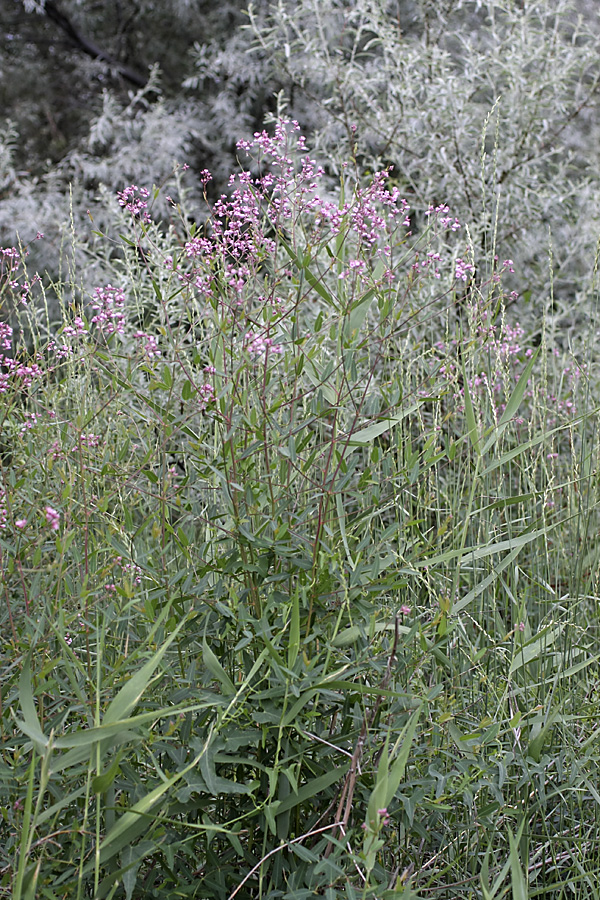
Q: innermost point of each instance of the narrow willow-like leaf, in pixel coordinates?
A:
(388, 779)
(519, 883)
(294, 631)
(216, 669)
(311, 789)
(368, 434)
(536, 647)
(474, 553)
(30, 717)
(129, 695)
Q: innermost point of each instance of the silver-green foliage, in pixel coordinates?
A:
(488, 106)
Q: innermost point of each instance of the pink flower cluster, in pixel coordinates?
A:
(259, 346)
(89, 439)
(243, 224)
(76, 329)
(150, 344)
(206, 394)
(52, 518)
(11, 260)
(463, 270)
(109, 305)
(15, 374)
(133, 199)
(428, 265)
(129, 568)
(441, 213)
(3, 510)
(29, 421)
(6, 334)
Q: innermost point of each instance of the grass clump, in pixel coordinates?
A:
(299, 586)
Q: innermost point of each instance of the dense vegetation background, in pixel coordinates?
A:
(299, 449)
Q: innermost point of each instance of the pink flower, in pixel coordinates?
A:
(463, 270)
(109, 305)
(52, 518)
(136, 205)
(21, 523)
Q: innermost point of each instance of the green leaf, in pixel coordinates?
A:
(314, 282)
(470, 415)
(65, 800)
(31, 721)
(157, 290)
(358, 314)
(537, 741)
(342, 526)
(294, 638)
(312, 788)
(129, 695)
(388, 780)
(316, 376)
(535, 648)
(215, 783)
(216, 669)
(519, 883)
(101, 783)
(354, 632)
(366, 435)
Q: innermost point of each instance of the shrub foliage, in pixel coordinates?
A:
(298, 577)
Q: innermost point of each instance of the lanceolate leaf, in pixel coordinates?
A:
(31, 722)
(368, 434)
(129, 695)
(136, 820)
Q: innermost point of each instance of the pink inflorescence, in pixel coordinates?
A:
(76, 329)
(129, 569)
(89, 439)
(442, 214)
(52, 518)
(259, 346)
(16, 374)
(463, 270)
(150, 345)
(11, 260)
(109, 304)
(205, 395)
(133, 199)
(6, 334)
(242, 226)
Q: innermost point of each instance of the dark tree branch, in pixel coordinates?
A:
(89, 47)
